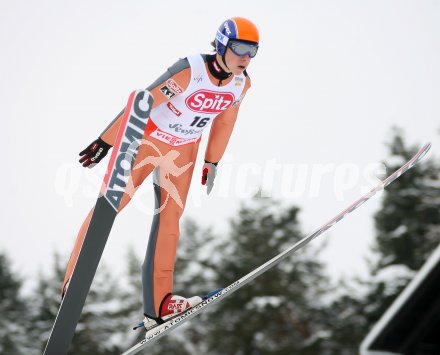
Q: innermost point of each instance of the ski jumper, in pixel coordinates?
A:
(187, 100)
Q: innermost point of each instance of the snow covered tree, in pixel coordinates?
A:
(130, 303)
(45, 302)
(407, 230)
(98, 322)
(345, 318)
(95, 333)
(281, 311)
(196, 271)
(13, 311)
(407, 226)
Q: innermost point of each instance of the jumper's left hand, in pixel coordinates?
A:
(209, 172)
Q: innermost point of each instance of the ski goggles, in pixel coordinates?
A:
(243, 48)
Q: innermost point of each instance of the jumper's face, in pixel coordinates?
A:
(236, 64)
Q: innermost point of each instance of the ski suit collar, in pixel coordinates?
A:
(215, 69)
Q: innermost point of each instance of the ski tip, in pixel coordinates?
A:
(422, 152)
(428, 146)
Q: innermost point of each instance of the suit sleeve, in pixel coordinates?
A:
(222, 128)
(180, 72)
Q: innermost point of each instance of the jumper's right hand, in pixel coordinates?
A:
(94, 153)
(209, 172)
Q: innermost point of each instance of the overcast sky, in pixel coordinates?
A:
(330, 80)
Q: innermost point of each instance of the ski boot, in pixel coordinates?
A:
(171, 306)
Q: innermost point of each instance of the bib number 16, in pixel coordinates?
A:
(200, 122)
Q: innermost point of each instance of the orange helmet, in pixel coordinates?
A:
(237, 29)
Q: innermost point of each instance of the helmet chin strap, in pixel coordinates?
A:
(224, 62)
(224, 59)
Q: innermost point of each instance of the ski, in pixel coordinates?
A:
(171, 324)
(126, 147)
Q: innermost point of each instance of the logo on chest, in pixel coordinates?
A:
(173, 109)
(207, 101)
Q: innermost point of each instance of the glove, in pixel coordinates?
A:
(208, 175)
(94, 153)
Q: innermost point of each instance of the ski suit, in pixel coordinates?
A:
(187, 99)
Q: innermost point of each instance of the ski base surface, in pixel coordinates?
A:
(127, 143)
(163, 329)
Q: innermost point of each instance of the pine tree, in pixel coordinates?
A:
(407, 227)
(97, 327)
(408, 223)
(281, 311)
(407, 230)
(130, 303)
(45, 301)
(196, 271)
(345, 318)
(13, 311)
(98, 323)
